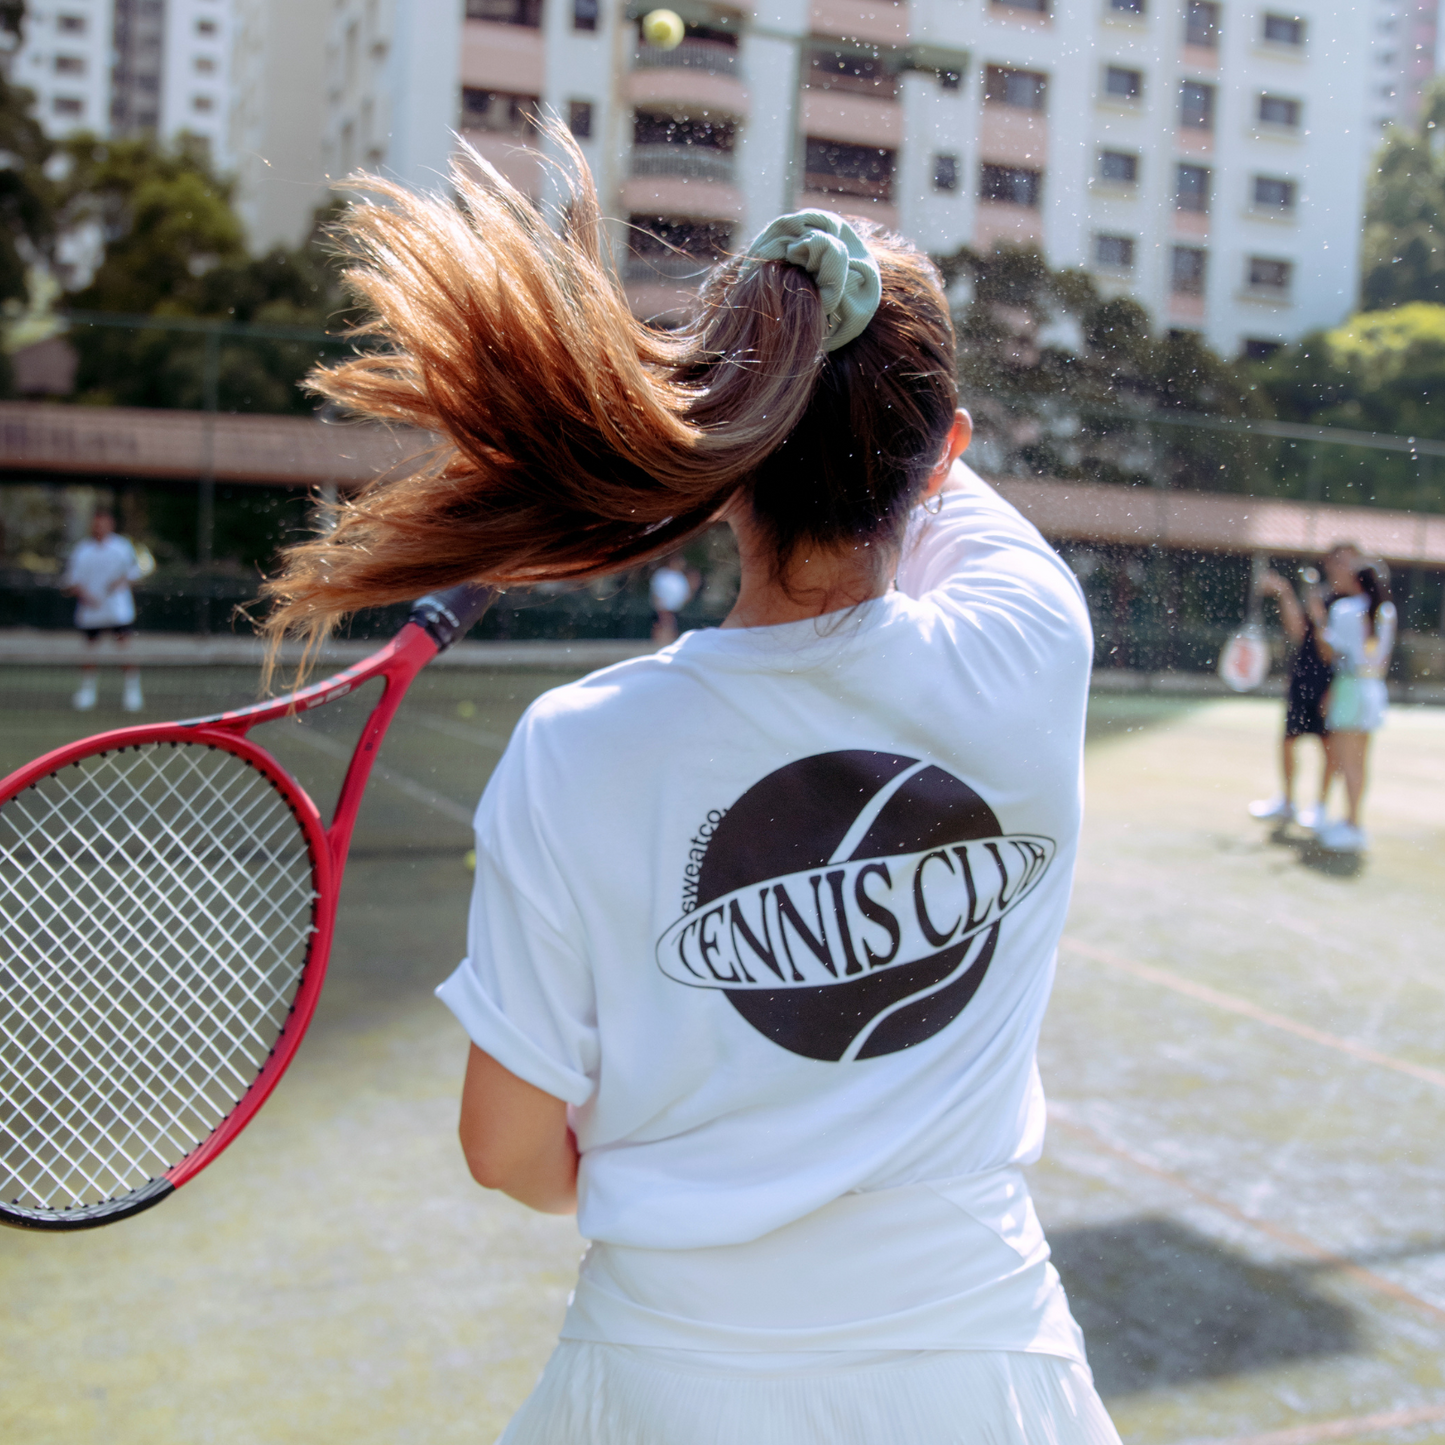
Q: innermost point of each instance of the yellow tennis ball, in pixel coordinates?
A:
(663, 28)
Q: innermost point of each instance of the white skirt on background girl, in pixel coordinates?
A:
(927, 1314)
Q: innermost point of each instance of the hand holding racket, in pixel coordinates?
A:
(167, 900)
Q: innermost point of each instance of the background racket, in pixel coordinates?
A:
(167, 901)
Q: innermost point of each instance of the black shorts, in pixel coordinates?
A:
(92, 634)
(1304, 712)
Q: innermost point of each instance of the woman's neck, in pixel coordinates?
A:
(814, 582)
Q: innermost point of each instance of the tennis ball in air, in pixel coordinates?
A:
(663, 28)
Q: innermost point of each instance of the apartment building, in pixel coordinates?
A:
(278, 113)
(64, 57)
(129, 67)
(1205, 156)
(1405, 59)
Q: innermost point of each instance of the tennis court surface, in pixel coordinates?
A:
(1244, 1180)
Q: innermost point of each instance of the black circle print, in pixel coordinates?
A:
(848, 904)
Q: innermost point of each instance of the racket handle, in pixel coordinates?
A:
(448, 616)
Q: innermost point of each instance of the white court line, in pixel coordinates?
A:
(399, 781)
(493, 742)
(1235, 1005)
(1059, 1116)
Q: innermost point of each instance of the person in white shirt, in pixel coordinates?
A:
(668, 590)
(1358, 636)
(765, 923)
(98, 576)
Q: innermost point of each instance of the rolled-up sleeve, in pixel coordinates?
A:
(524, 993)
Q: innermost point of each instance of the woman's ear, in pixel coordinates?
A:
(959, 436)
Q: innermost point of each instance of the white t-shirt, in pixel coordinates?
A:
(775, 909)
(95, 567)
(1359, 652)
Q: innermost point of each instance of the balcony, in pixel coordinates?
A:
(713, 57)
(667, 267)
(700, 163)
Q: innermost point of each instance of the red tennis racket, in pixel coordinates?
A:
(167, 900)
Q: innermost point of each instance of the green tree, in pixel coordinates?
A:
(1403, 257)
(1382, 371)
(1047, 364)
(174, 247)
(27, 200)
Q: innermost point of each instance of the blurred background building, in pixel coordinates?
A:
(1207, 157)
(125, 67)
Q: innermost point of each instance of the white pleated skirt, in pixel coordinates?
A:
(606, 1394)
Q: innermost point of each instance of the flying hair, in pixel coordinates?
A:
(574, 440)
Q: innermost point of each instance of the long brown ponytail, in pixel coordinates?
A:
(574, 440)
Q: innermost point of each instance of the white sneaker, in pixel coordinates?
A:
(131, 699)
(1341, 837)
(1274, 810)
(84, 698)
(1312, 819)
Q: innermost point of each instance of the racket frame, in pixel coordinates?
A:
(435, 623)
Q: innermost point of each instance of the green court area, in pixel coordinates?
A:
(1244, 1180)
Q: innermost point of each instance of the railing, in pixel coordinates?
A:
(699, 163)
(880, 87)
(667, 266)
(867, 187)
(710, 55)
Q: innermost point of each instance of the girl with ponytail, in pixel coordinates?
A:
(764, 923)
(1359, 636)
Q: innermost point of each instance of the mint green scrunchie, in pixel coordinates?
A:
(834, 255)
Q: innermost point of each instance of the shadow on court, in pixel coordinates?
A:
(1161, 1304)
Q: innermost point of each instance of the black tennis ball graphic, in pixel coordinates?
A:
(802, 817)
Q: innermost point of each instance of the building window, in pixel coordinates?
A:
(1114, 252)
(584, 14)
(950, 79)
(657, 128)
(1027, 89)
(945, 173)
(507, 12)
(1256, 348)
(71, 24)
(1119, 167)
(1127, 7)
(1011, 185)
(1123, 84)
(848, 170)
(205, 65)
(579, 118)
(1039, 7)
(1271, 193)
(499, 111)
(863, 72)
(69, 65)
(205, 27)
(1201, 24)
(1186, 270)
(674, 246)
(1276, 110)
(202, 104)
(1191, 189)
(1196, 105)
(1268, 275)
(67, 105)
(1284, 30)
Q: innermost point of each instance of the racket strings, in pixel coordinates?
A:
(155, 913)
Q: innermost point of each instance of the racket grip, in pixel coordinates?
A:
(449, 615)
